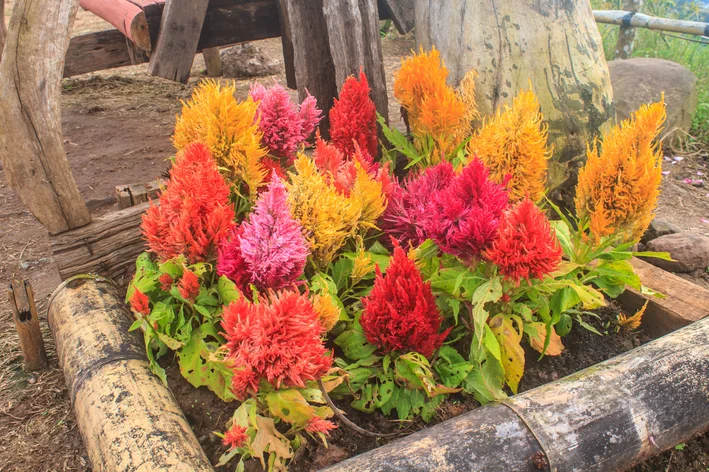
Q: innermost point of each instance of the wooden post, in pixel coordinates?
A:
(626, 33)
(31, 142)
(136, 54)
(288, 52)
(2, 27)
(180, 29)
(401, 12)
(213, 62)
(24, 312)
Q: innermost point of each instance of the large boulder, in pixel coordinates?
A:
(689, 250)
(642, 80)
(246, 60)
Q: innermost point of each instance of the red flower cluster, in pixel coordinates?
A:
(400, 313)
(464, 216)
(235, 437)
(166, 282)
(230, 261)
(341, 170)
(319, 425)
(526, 246)
(409, 204)
(140, 303)
(277, 340)
(189, 285)
(353, 118)
(194, 212)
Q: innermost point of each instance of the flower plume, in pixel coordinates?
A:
(353, 118)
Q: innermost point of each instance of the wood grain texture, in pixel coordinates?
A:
(24, 313)
(287, 43)
(684, 302)
(180, 29)
(96, 51)
(212, 62)
(31, 142)
(401, 12)
(124, 15)
(3, 31)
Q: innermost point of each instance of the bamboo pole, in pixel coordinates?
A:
(604, 418)
(24, 313)
(625, 18)
(128, 419)
(626, 34)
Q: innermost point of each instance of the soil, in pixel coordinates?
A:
(117, 126)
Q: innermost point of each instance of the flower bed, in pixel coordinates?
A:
(401, 282)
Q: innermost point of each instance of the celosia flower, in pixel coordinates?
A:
(277, 340)
(140, 303)
(284, 125)
(526, 246)
(618, 188)
(369, 196)
(166, 282)
(327, 311)
(466, 94)
(442, 116)
(235, 437)
(194, 212)
(353, 118)
(230, 261)
(189, 285)
(319, 425)
(513, 146)
(271, 166)
(400, 313)
(214, 117)
(272, 242)
(464, 216)
(362, 265)
(408, 209)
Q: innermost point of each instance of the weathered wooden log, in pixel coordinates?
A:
(96, 51)
(108, 246)
(24, 313)
(124, 15)
(554, 45)
(639, 20)
(128, 419)
(212, 62)
(604, 418)
(135, 194)
(401, 12)
(180, 29)
(626, 33)
(31, 143)
(2, 27)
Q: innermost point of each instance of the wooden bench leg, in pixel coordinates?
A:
(213, 62)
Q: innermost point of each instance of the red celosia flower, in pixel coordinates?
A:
(194, 212)
(277, 340)
(166, 282)
(272, 166)
(526, 246)
(235, 437)
(319, 425)
(189, 285)
(230, 261)
(409, 204)
(464, 216)
(140, 303)
(400, 313)
(353, 118)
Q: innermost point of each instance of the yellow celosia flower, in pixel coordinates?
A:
(328, 217)
(618, 188)
(367, 195)
(513, 145)
(214, 117)
(633, 322)
(466, 93)
(327, 311)
(363, 265)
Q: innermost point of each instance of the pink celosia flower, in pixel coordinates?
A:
(189, 285)
(409, 204)
(278, 340)
(230, 261)
(526, 246)
(235, 437)
(272, 241)
(353, 118)
(166, 282)
(140, 303)
(464, 216)
(283, 124)
(319, 425)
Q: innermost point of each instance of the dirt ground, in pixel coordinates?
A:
(117, 126)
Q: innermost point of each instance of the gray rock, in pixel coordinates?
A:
(642, 80)
(247, 60)
(657, 228)
(689, 250)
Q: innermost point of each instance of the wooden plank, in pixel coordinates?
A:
(124, 15)
(235, 22)
(96, 51)
(31, 142)
(180, 29)
(24, 312)
(684, 302)
(401, 12)
(108, 246)
(212, 62)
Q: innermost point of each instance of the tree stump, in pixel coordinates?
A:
(554, 45)
(626, 33)
(24, 313)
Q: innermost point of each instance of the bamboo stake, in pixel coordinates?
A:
(24, 312)
(624, 18)
(626, 34)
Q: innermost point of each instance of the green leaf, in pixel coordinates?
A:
(379, 249)
(490, 291)
(354, 345)
(656, 255)
(485, 381)
(227, 291)
(136, 324)
(290, 406)
(452, 367)
(399, 141)
(172, 343)
(173, 267)
(198, 366)
(491, 344)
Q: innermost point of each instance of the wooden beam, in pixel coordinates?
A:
(31, 142)
(135, 194)
(96, 51)
(626, 18)
(684, 302)
(124, 15)
(180, 30)
(108, 246)
(24, 312)
(237, 21)
(399, 11)
(212, 62)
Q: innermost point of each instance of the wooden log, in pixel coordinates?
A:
(604, 418)
(180, 30)
(639, 20)
(212, 62)
(136, 54)
(401, 12)
(684, 302)
(31, 142)
(554, 44)
(108, 246)
(626, 33)
(128, 419)
(124, 15)
(96, 51)
(135, 194)
(24, 313)
(355, 44)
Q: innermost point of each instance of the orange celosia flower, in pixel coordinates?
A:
(421, 76)
(442, 115)
(140, 303)
(618, 187)
(327, 311)
(513, 145)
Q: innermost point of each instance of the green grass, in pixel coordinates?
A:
(693, 55)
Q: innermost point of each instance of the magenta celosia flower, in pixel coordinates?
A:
(464, 216)
(230, 261)
(283, 124)
(409, 204)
